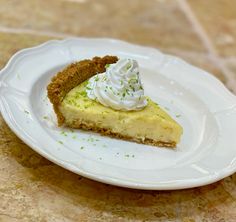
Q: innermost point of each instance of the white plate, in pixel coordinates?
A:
(198, 101)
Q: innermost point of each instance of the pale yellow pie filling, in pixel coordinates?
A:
(151, 123)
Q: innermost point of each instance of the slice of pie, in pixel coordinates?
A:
(76, 107)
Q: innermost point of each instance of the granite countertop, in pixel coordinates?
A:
(34, 189)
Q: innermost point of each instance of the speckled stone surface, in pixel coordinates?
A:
(34, 189)
(219, 20)
(133, 20)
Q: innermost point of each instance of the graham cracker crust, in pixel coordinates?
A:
(71, 77)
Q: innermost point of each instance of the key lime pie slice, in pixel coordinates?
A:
(105, 95)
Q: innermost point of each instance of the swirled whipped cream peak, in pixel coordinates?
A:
(119, 87)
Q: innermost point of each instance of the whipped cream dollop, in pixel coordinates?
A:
(119, 87)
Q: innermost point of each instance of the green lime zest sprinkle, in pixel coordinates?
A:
(27, 112)
(85, 83)
(45, 117)
(178, 115)
(63, 133)
(128, 66)
(82, 147)
(18, 76)
(83, 93)
(132, 88)
(167, 108)
(127, 155)
(60, 142)
(74, 137)
(91, 139)
(107, 66)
